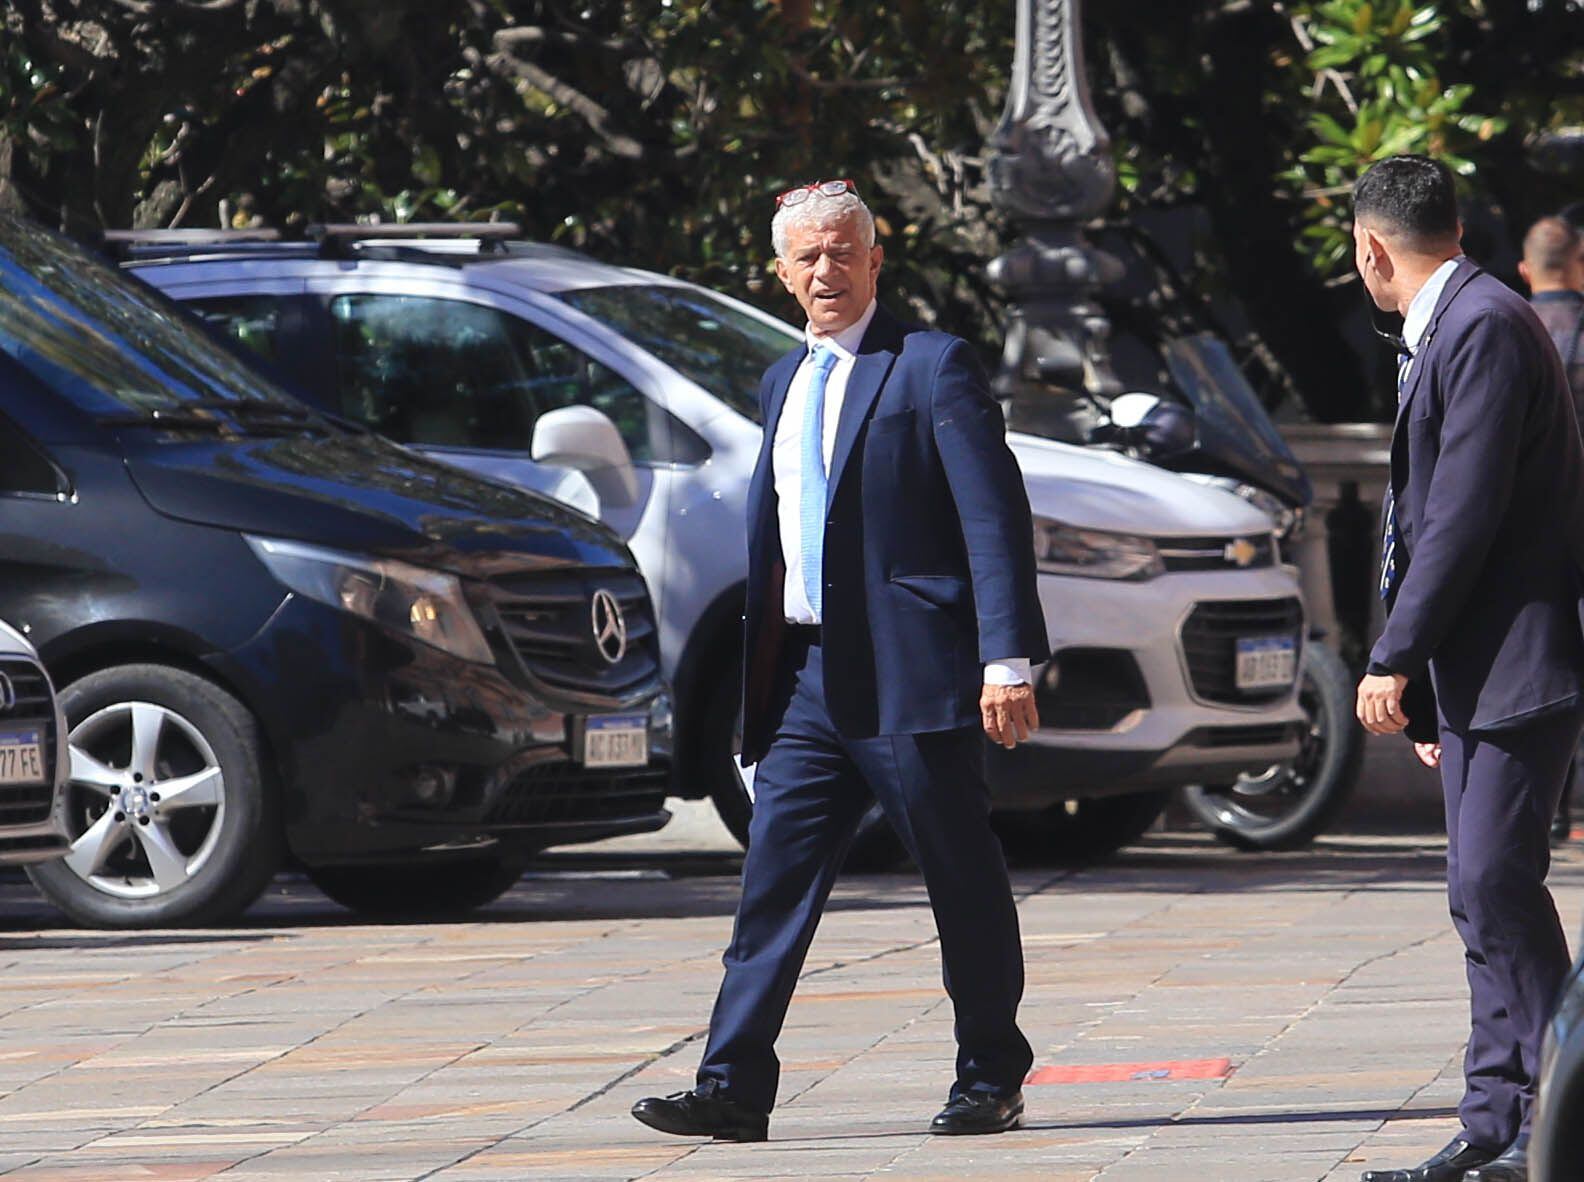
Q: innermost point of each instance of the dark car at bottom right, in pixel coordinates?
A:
(1556, 1145)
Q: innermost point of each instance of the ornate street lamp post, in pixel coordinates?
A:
(1051, 170)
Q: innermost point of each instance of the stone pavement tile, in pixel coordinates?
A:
(124, 1171)
(1269, 1165)
(325, 1159)
(515, 1161)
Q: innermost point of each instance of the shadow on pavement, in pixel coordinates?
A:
(595, 885)
(1166, 1120)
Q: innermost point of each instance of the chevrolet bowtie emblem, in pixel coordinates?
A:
(1241, 552)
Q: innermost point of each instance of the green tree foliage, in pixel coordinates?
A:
(657, 131)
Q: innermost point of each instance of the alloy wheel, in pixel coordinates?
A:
(147, 797)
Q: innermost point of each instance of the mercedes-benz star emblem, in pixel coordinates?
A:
(7, 694)
(610, 627)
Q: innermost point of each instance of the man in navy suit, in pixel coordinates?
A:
(1483, 544)
(892, 617)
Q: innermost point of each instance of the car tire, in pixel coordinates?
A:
(1290, 805)
(720, 739)
(876, 846)
(422, 891)
(171, 812)
(1079, 832)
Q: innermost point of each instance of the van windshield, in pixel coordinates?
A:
(705, 339)
(107, 343)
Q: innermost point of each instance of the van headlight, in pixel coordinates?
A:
(1062, 549)
(427, 605)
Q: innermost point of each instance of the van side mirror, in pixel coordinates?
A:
(583, 438)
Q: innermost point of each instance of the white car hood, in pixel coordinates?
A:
(1095, 489)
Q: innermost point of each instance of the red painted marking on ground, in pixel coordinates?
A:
(1127, 1072)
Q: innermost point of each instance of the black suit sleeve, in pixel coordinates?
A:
(1485, 387)
(992, 505)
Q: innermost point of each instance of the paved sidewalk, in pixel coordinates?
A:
(306, 1046)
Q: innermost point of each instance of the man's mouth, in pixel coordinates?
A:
(827, 296)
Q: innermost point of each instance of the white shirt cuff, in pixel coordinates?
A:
(1008, 671)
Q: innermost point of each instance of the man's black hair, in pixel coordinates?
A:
(1410, 197)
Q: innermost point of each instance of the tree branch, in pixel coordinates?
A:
(596, 116)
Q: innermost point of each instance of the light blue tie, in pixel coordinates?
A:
(812, 479)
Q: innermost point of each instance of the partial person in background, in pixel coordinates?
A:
(1553, 267)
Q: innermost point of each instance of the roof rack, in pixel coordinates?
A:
(125, 243)
(190, 237)
(451, 244)
(334, 237)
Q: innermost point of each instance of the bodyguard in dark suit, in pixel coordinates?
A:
(1482, 552)
(892, 617)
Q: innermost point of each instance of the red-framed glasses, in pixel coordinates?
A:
(815, 189)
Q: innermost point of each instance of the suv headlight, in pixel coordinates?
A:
(1288, 522)
(427, 605)
(1062, 549)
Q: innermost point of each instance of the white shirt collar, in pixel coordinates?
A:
(1423, 305)
(844, 343)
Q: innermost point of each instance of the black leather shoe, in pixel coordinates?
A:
(703, 1113)
(1452, 1164)
(1511, 1166)
(979, 1112)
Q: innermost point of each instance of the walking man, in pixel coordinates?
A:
(1484, 533)
(892, 617)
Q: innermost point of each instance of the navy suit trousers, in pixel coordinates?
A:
(811, 789)
(1502, 789)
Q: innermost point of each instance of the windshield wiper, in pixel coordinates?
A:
(164, 418)
(248, 416)
(253, 409)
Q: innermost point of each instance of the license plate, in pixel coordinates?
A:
(616, 740)
(21, 756)
(1266, 662)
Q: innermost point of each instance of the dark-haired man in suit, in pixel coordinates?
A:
(1483, 544)
(892, 617)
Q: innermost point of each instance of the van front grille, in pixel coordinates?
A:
(549, 622)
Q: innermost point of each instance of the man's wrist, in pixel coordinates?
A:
(1376, 669)
(1008, 671)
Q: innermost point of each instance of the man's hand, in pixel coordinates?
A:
(1379, 705)
(1429, 754)
(1008, 713)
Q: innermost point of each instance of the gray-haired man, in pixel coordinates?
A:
(892, 617)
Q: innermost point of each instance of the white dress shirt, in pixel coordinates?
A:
(786, 457)
(1417, 319)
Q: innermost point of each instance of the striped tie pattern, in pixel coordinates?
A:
(813, 478)
(1388, 577)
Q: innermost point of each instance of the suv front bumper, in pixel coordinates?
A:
(1150, 716)
(388, 749)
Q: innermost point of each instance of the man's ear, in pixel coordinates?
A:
(1525, 274)
(1379, 257)
(784, 274)
(876, 257)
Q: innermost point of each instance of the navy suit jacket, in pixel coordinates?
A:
(1488, 472)
(929, 549)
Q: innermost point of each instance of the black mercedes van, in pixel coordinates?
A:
(280, 636)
